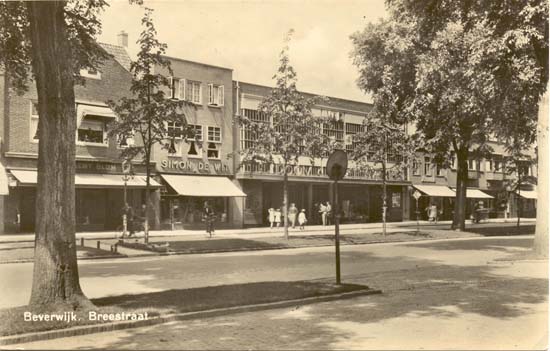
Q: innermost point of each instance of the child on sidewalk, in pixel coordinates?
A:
(302, 220)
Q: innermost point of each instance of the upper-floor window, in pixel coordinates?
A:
(175, 129)
(215, 95)
(92, 131)
(498, 166)
(473, 165)
(214, 134)
(352, 129)
(452, 162)
(440, 170)
(124, 142)
(416, 168)
(488, 165)
(34, 120)
(214, 137)
(194, 145)
(177, 88)
(193, 91)
(427, 167)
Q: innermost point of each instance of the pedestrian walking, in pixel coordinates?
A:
(302, 220)
(277, 217)
(129, 212)
(209, 218)
(432, 213)
(323, 212)
(271, 216)
(292, 214)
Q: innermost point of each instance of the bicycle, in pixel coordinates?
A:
(138, 227)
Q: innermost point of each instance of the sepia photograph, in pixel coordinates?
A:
(274, 175)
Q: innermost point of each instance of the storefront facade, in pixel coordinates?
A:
(199, 169)
(360, 193)
(489, 185)
(98, 181)
(99, 195)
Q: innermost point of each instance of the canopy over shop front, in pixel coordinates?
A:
(436, 190)
(528, 194)
(204, 186)
(477, 194)
(88, 180)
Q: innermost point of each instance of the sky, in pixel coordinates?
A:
(247, 36)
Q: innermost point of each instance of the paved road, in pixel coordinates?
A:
(452, 294)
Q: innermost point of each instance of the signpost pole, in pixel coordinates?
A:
(417, 195)
(337, 166)
(417, 223)
(124, 217)
(336, 216)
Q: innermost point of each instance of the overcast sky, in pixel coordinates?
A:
(247, 36)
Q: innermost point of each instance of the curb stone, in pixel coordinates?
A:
(26, 260)
(153, 253)
(107, 327)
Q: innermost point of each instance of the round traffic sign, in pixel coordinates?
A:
(337, 165)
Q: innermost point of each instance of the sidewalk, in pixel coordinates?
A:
(259, 232)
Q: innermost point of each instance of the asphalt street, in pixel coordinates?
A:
(447, 294)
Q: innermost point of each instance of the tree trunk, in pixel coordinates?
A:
(285, 201)
(518, 195)
(55, 278)
(461, 180)
(384, 197)
(148, 147)
(541, 233)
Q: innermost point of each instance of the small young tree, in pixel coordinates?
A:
(383, 144)
(147, 113)
(292, 131)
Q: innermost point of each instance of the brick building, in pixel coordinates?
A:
(99, 185)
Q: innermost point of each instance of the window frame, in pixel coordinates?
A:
(168, 128)
(191, 83)
(217, 148)
(212, 89)
(31, 119)
(428, 169)
(208, 135)
(104, 143)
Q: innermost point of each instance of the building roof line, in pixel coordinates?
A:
(196, 62)
(370, 104)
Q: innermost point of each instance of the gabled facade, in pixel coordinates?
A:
(99, 184)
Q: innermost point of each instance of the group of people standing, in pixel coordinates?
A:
(274, 217)
(321, 215)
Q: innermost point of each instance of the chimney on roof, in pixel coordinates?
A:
(122, 38)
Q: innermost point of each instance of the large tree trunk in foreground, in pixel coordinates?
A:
(459, 218)
(541, 234)
(55, 278)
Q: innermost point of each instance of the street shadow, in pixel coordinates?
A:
(478, 245)
(212, 297)
(424, 288)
